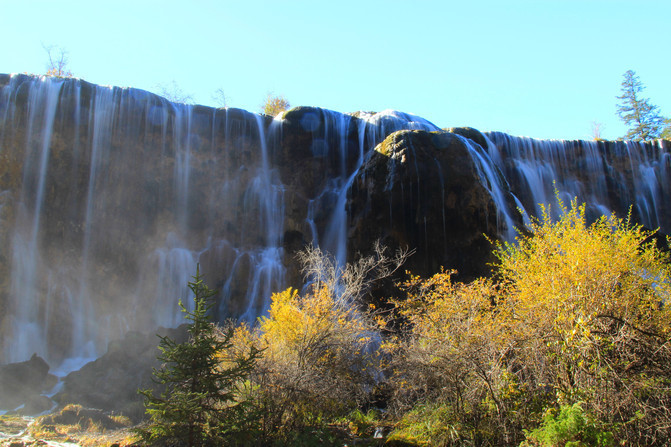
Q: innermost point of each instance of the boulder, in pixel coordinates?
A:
(111, 382)
(424, 191)
(35, 405)
(472, 134)
(23, 382)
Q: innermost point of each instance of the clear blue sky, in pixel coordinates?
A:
(545, 69)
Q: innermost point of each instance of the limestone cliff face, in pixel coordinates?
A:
(427, 191)
(111, 194)
(110, 197)
(609, 176)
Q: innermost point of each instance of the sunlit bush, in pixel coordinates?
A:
(319, 357)
(577, 312)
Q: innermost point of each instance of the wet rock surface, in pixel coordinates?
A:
(422, 190)
(110, 197)
(111, 382)
(23, 383)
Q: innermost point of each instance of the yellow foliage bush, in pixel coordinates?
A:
(576, 312)
(274, 105)
(571, 277)
(315, 330)
(316, 363)
(319, 348)
(450, 358)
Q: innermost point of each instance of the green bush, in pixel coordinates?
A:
(572, 427)
(432, 424)
(362, 424)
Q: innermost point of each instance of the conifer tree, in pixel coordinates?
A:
(666, 133)
(643, 118)
(201, 404)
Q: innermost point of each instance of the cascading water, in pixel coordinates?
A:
(27, 314)
(496, 186)
(268, 271)
(346, 139)
(121, 195)
(336, 127)
(609, 176)
(372, 129)
(110, 197)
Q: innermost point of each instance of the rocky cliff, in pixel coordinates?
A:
(109, 198)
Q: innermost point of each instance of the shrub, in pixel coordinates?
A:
(319, 348)
(570, 428)
(453, 356)
(429, 424)
(587, 304)
(274, 105)
(362, 424)
(577, 313)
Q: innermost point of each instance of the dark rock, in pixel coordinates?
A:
(111, 382)
(470, 133)
(36, 405)
(422, 190)
(314, 146)
(23, 381)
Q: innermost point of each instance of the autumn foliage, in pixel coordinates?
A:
(566, 344)
(319, 358)
(274, 104)
(575, 315)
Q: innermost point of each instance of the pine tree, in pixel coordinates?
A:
(200, 405)
(666, 133)
(643, 118)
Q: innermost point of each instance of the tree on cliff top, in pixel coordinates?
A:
(643, 118)
(173, 93)
(201, 404)
(274, 104)
(58, 62)
(666, 133)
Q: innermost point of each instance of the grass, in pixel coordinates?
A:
(13, 425)
(86, 427)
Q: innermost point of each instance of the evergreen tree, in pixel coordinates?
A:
(643, 118)
(201, 404)
(666, 133)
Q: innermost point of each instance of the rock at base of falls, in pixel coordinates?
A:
(22, 385)
(111, 382)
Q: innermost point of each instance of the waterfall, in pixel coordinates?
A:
(496, 186)
(609, 176)
(27, 314)
(110, 197)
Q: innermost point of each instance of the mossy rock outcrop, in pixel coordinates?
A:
(423, 190)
